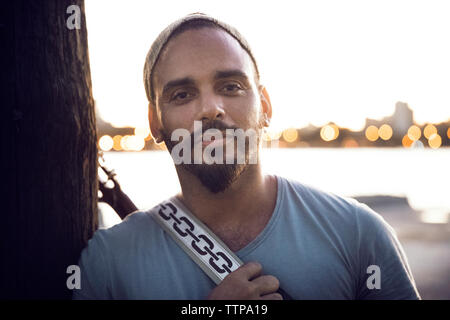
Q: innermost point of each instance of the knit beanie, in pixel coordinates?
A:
(164, 37)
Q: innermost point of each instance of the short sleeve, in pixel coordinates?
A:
(94, 271)
(384, 270)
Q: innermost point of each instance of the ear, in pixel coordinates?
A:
(265, 103)
(154, 123)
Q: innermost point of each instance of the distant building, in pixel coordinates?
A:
(400, 120)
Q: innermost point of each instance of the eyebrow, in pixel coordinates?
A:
(178, 83)
(230, 74)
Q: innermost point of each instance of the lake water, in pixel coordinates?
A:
(422, 175)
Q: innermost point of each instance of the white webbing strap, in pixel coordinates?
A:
(196, 239)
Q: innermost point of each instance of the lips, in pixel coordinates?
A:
(213, 142)
(206, 140)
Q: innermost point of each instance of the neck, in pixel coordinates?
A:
(250, 198)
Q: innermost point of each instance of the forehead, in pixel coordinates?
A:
(199, 53)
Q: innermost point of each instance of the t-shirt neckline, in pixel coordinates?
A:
(267, 229)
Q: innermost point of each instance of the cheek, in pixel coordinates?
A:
(177, 118)
(246, 113)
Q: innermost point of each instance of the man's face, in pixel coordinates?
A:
(205, 75)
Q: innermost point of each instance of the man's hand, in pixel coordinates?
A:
(247, 283)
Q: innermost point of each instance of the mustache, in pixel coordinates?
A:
(215, 124)
(212, 124)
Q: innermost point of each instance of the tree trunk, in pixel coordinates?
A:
(49, 147)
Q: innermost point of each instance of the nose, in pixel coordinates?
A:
(211, 107)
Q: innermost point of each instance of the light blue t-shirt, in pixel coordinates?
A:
(319, 245)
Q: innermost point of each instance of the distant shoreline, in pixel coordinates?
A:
(377, 200)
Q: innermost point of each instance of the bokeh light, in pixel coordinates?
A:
(329, 132)
(270, 135)
(435, 141)
(385, 132)
(448, 133)
(123, 143)
(336, 131)
(290, 135)
(135, 143)
(116, 142)
(414, 133)
(406, 141)
(132, 143)
(142, 132)
(372, 133)
(105, 143)
(429, 130)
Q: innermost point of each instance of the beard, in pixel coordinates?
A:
(217, 177)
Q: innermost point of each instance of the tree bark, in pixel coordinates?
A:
(48, 145)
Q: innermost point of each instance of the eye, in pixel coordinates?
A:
(230, 88)
(181, 96)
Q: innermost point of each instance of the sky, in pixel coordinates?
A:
(321, 61)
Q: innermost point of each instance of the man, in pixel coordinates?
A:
(313, 244)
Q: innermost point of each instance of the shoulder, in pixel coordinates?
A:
(358, 231)
(313, 199)
(137, 228)
(331, 209)
(133, 228)
(313, 194)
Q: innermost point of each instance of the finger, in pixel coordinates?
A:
(250, 270)
(272, 296)
(266, 284)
